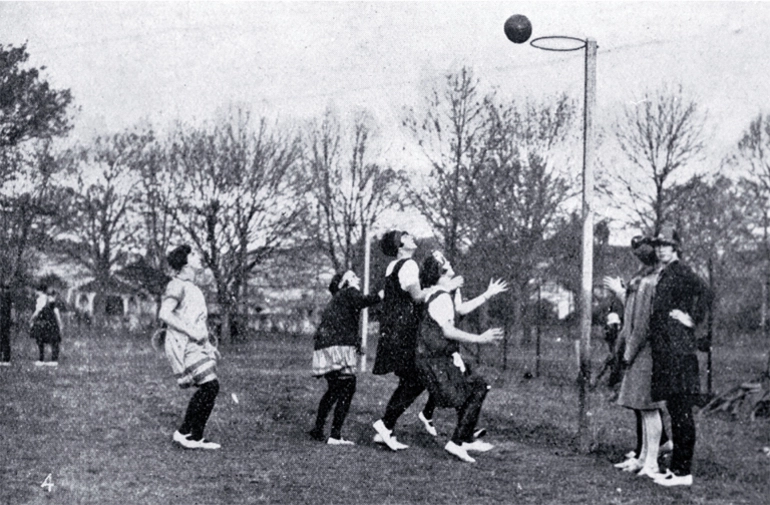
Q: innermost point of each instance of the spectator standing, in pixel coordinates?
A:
(46, 326)
(637, 359)
(681, 302)
(6, 322)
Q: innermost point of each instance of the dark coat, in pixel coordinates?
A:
(341, 318)
(674, 345)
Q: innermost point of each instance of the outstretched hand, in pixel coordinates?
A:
(492, 335)
(496, 287)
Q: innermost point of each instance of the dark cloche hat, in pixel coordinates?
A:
(667, 236)
(643, 249)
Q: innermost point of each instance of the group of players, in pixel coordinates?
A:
(420, 344)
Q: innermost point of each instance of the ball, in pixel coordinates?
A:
(518, 28)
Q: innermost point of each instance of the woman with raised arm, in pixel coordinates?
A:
(439, 363)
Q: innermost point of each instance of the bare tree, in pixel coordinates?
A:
(98, 232)
(753, 155)
(517, 193)
(450, 131)
(351, 193)
(30, 201)
(661, 136)
(241, 197)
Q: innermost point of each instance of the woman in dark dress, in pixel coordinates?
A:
(46, 326)
(336, 347)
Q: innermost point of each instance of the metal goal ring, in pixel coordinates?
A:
(538, 44)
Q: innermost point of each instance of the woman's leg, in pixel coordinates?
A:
(409, 388)
(639, 433)
(41, 350)
(643, 451)
(468, 413)
(199, 409)
(325, 405)
(652, 429)
(55, 351)
(429, 408)
(683, 432)
(346, 387)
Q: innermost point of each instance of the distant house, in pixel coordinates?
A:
(129, 304)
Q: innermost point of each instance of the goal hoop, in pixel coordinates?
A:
(559, 43)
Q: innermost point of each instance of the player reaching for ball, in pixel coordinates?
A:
(438, 361)
(336, 348)
(399, 324)
(462, 308)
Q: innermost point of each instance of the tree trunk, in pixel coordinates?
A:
(224, 316)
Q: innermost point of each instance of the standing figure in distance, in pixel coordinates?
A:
(192, 356)
(46, 325)
(336, 349)
(438, 360)
(6, 321)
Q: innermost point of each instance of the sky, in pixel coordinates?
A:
(127, 62)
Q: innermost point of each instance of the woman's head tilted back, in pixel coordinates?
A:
(177, 258)
(433, 268)
(342, 280)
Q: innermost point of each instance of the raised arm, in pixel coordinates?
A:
(441, 311)
(495, 287)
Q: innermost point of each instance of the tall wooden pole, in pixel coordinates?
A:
(584, 432)
(365, 312)
(710, 334)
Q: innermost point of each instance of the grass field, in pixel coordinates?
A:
(100, 425)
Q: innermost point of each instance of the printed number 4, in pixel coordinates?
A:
(47, 483)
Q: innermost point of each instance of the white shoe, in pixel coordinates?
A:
(51, 363)
(185, 442)
(339, 441)
(378, 440)
(633, 466)
(385, 436)
(457, 450)
(477, 446)
(203, 444)
(5, 363)
(627, 463)
(39, 363)
(670, 479)
(428, 423)
(182, 440)
(667, 447)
